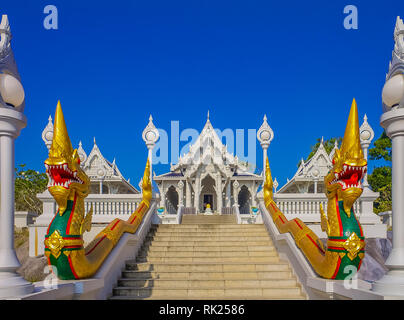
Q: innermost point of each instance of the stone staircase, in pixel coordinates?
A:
(210, 259)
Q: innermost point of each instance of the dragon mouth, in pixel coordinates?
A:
(60, 175)
(349, 177)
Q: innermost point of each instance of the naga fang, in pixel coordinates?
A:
(69, 186)
(346, 242)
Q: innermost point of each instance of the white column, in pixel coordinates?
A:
(219, 194)
(11, 284)
(393, 282)
(228, 194)
(197, 190)
(180, 188)
(188, 197)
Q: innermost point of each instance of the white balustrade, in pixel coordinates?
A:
(106, 207)
(306, 206)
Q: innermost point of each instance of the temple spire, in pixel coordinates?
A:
(61, 144)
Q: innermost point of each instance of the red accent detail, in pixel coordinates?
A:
(95, 245)
(273, 207)
(314, 242)
(338, 215)
(47, 232)
(72, 247)
(115, 225)
(337, 248)
(337, 268)
(280, 217)
(133, 219)
(298, 224)
(71, 268)
(71, 215)
(141, 206)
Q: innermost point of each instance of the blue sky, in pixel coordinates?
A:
(113, 63)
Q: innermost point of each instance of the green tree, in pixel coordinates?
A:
(380, 179)
(27, 184)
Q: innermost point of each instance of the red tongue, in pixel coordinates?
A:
(353, 179)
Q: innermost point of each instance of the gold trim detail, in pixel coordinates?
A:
(55, 243)
(353, 245)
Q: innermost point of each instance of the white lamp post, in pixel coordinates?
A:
(392, 121)
(265, 135)
(12, 120)
(150, 136)
(366, 136)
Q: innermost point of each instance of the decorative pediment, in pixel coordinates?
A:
(208, 150)
(97, 167)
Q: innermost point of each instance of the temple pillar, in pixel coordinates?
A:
(197, 191)
(188, 198)
(228, 194)
(219, 193)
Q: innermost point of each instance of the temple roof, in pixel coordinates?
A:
(314, 169)
(208, 151)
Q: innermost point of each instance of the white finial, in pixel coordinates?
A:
(94, 141)
(150, 118)
(80, 144)
(265, 117)
(208, 114)
(47, 133)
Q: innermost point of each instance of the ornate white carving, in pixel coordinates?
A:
(265, 134)
(150, 134)
(82, 154)
(47, 133)
(399, 38)
(366, 133)
(5, 36)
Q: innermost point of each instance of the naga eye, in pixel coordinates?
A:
(333, 161)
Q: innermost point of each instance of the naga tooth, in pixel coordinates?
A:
(65, 167)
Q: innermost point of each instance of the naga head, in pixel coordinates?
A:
(66, 178)
(349, 165)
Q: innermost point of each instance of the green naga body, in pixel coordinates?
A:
(69, 185)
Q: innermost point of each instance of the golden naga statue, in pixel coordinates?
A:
(69, 185)
(346, 242)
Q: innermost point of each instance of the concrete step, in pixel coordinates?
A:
(210, 243)
(207, 267)
(206, 254)
(216, 293)
(208, 227)
(245, 275)
(246, 259)
(201, 284)
(217, 248)
(203, 233)
(204, 238)
(208, 219)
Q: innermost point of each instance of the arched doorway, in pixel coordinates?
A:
(244, 200)
(208, 194)
(172, 200)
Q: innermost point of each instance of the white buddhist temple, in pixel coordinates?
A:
(309, 177)
(208, 179)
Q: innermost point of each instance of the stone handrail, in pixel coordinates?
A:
(106, 207)
(101, 285)
(305, 206)
(314, 286)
